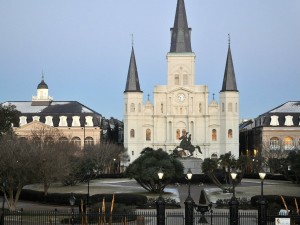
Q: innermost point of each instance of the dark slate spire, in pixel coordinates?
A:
(229, 83)
(42, 85)
(181, 39)
(132, 84)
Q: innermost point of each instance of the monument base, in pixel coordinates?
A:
(194, 164)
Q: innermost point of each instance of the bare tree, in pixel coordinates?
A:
(17, 167)
(274, 155)
(53, 157)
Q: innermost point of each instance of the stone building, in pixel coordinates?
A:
(272, 134)
(74, 121)
(181, 106)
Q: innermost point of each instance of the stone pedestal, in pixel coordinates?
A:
(193, 163)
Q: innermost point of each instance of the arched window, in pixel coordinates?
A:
(176, 79)
(214, 135)
(132, 107)
(140, 107)
(148, 135)
(36, 140)
(132, 133)
(236, 107)
(89, 141)
(170, 131)
(229, 107)
(162, 108)
(76, 141)
(214, 156)
(200, 108)
(274, 143)
(63, 140)
(185, 79)
(288, 143)
(223, 107)
(49, 141)
(177, 134)
(125, 108)
(230, 133)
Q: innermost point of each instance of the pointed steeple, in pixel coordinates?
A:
(132, 84)
(180, 39)
(229, 83)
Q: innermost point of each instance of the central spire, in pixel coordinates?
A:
(181, 39)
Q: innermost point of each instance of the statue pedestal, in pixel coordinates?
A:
(192, 163)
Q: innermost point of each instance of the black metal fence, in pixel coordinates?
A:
(177, 217)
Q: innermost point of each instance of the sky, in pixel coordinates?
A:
(83, 49)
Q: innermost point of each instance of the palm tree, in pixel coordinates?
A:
(208, 167)
(243, 162)
(227, 161)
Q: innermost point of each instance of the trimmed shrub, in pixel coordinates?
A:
(63, 198)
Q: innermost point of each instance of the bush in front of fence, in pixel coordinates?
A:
(102, 212)
(244, 203)
(63, 198)
(170, 204)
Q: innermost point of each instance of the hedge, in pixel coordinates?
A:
(63, 198)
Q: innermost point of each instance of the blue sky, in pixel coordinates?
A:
(83, 47)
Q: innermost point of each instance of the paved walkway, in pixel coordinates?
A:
(248, 188)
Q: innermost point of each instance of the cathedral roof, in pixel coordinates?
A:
(229, 82)
(181, 39)
(132, 84)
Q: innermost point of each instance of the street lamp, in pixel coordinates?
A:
(72, 200)
(88, 194)
(262, 209)
(189, 202)
(160, 203)
(233, 203)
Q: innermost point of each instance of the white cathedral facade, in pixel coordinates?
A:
(181, 106)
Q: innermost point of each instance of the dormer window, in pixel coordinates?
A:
(75, 122)
(23, 120)
(49, 121)
(89, 121)
(288, 121)
(274, 121)
(36, 118)
(63, 121)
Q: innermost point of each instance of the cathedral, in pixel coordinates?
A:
(181, 107)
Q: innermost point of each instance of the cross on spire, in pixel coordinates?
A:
(213, 96)
(132, 40)
(148, 96)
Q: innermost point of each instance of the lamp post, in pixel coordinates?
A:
(72, 200)
(262, 208)
(189, 202)
(88, 194)
(160, 203)
(233, 203)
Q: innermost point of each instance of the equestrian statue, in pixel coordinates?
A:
(186, 145)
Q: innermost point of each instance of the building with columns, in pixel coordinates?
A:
(181, 106)
(74, 121)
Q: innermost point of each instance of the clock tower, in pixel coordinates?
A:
(181, 106)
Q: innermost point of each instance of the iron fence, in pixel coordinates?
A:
(145, 217)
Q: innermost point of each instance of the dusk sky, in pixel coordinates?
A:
(83, 48)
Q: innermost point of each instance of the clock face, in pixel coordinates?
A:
(181, 97)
